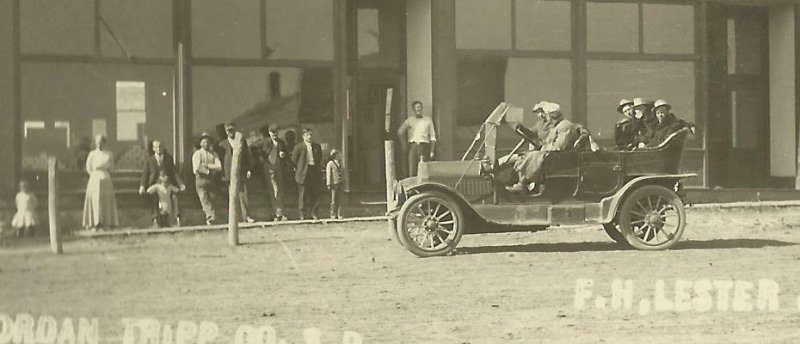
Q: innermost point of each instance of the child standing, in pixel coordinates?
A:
(166, 193)
(333, 172)
(24, 220)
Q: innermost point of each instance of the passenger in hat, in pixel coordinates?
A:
(625, 130)
(667, 123)
(561, 137)
(206, 167)
(643, 112)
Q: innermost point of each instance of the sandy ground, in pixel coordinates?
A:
(502, 288)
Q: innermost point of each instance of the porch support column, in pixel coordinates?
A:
(782, 95)
(445, 79)
(419, 69)
(10, 112)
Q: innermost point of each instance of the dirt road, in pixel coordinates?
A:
(504, 288)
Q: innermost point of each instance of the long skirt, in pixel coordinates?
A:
(100, 206)
(530, 165)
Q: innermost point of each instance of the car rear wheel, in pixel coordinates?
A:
(430, 224)
(652, 217)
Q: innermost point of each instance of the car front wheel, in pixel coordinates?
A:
(430, 224)
(652, 217)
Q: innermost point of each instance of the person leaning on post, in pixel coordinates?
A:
(419, 133)
(206, 168)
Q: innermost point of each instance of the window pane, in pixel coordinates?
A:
(57, 26)
(300, 29)
(85, 96)
(143, 27)
(747, 32)
(483, 24)
(253, 97)
(485, 82)
(668, 29)
(226, 29)
(543, 25)
(529, 81)
(368, 32)
(612, 27)
(610, 81)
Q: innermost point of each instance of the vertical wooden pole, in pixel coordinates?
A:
(233, 192)
(52, 205)
(388, 152)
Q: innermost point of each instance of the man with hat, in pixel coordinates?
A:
(268, 154)
(562, 136)
(538, 132)
(666, 123)
(206, 168)
(626, 129)
(226, 155)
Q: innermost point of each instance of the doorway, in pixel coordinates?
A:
(369, 128)
(740, 154)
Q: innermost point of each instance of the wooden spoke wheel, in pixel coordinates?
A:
(430, 224)
(652, 218)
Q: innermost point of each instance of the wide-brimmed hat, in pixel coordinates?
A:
(205, 135)
(640, 102)
(661, 102)
(622, 103)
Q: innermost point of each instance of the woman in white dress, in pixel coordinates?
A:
(100, 207)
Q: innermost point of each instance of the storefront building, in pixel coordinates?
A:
(169, 70)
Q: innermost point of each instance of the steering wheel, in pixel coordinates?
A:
(526, 135)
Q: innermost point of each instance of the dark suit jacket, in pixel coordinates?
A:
(226, 155)
(300, 161)
(267, 154)
(150, 170)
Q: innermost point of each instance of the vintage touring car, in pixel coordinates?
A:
(635, 195)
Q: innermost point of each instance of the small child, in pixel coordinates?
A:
(333, 172)
(24, 220)
(166, 196)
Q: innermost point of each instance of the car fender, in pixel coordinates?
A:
(611, 204)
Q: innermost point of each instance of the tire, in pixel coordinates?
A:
(613, 231)
(430, 224)
(652, 218)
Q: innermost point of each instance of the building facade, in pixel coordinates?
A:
(172, 69)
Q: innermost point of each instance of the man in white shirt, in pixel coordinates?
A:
(418, 131)
(206, 168)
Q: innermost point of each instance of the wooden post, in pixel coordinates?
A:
(52, 205)
(233, 192)
(388, 152)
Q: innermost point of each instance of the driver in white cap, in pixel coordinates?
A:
(562, 135)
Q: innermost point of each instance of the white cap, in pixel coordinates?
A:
(548, 107)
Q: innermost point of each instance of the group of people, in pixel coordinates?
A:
(264, 157)
(645, 126)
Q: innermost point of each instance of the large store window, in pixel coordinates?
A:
(254, 97)
(640, 28)
(73, 102)
(543, 25)
(57, 26)
(483, 24)
(141, 28)
(609, 81)
(484, 82)
(295, 30)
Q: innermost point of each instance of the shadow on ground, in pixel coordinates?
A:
(611, 246)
